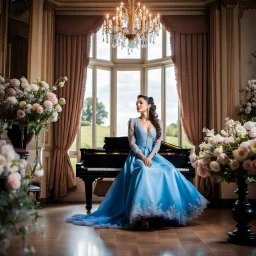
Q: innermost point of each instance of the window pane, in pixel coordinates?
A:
(91, 48)
(86, 123)
(154, 88)
(171, 130)
(103, 106)
(123, 53)
(155, 49)
(73, 147)
(128, 88)
(73, 163)
(103, 48)
(184, 141)
(168, 44)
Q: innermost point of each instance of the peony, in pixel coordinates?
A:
(40, 110)
(15, 82)
(245, 144)
(24, 80)
(52, 97)
(20, 113)
(8, 151)
(234, 164)
(252, 133)
(253, 145)
(48, 104)
(62, 101)
(247, 110)
(253, 166)
(35, 106)
(22, 104)
(44, 85)
(223, 159)
(13, 181)
(54, 117)
(12, 100)
(247, 164)
(249, 125)
(34, 87)
(218, 151)
(11, 92)
(241, 130)
(58, 108)
(1, 87)
(27, 88)
(241, 154)
(215, 166)
(2, 160)
(202, 171)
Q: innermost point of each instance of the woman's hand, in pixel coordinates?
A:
(147, 161)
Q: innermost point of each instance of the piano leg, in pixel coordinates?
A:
(88, 193)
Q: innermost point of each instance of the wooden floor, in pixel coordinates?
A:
(206, 235)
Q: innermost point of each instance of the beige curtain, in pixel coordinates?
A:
(72, 49)
(189, 43)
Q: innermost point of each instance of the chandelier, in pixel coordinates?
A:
(131, 23)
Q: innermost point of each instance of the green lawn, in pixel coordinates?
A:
(104, 131)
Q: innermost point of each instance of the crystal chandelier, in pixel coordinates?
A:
(134, 24)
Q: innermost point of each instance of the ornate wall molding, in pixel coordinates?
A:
(230, 3)
(214, 5)
(49, 7)
(245, 6)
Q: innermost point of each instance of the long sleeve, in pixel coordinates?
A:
(131, 137)
(157, 143)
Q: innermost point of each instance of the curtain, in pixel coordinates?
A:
(72, 49)
(189, 43)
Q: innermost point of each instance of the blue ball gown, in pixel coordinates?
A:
(159, 192)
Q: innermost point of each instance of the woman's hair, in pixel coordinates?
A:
(152, 114)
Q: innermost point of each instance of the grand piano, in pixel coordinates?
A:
(109, 161)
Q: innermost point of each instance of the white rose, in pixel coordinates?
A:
(218, 151)
(34, 87)
(247, 164)
(234, 164)
(253, 145)
(215, 166)
(249, 125)
(252, 133)
(12, 100)
(223, 159)
(245, 144)
(241, 130)
(241, 154)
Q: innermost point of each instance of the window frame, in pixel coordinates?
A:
(115, 65)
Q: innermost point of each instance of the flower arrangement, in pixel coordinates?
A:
(248, 106)
(229, 154)
(31, 105)
(15, 202)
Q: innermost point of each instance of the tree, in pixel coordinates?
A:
(172, 130)
(101, 113)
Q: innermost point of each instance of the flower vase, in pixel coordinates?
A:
(242, 213)
(36, 166)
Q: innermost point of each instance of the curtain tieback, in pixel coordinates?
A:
(61, 149)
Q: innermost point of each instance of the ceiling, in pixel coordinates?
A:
(104, 6)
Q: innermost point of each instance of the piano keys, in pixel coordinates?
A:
(109, 161)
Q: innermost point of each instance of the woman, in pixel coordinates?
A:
(149, 189)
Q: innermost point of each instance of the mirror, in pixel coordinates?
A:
(16, 34)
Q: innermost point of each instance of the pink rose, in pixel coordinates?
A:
(253, 166)
(247, 110)
(35, 106)
(1, 87)
(11, 91)
(48, 104)
(52, 97)
(13, 181)
(58, 108)
(202, 171)
(40, 110)
(20, 113)
(15, 82)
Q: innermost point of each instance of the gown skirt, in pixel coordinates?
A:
(159, 192)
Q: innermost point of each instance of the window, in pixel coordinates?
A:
(128, 88)
(113, 84)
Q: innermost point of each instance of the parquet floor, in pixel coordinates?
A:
(206, 235)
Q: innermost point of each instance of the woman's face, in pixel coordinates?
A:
(141, 105)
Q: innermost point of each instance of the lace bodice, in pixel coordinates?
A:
(139, 138)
